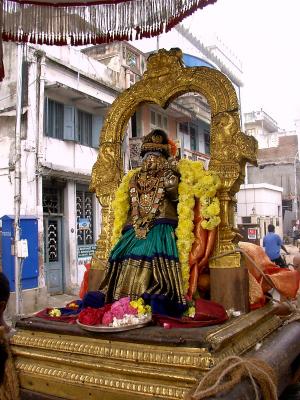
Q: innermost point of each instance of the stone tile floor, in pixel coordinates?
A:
(60, 300)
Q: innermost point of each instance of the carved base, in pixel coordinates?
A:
(85, 367)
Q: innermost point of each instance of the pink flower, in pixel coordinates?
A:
(128, 309)
(121, 303)
(107, 318)
(124, 300)
(117, 311)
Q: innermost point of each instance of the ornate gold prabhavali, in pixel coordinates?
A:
(165, 79)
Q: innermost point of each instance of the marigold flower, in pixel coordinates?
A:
(55, 312)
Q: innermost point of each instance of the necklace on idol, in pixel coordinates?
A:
(146, 193)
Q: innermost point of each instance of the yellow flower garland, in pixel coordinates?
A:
(195, 181)
(121, 205)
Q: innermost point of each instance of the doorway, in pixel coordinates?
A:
(53, 252)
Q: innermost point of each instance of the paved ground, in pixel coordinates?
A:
(60, 300)
(53, 301)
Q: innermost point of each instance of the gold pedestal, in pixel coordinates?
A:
(74, 365)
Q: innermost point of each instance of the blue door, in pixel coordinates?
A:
(53, 254)
(30, 265)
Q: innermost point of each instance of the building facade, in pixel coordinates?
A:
(258, 205)
(64, 101)
(278, 163)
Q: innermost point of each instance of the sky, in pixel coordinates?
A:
(265, 36)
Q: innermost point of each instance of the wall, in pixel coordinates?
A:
(8, 87)
(265, 198)
(72, 57)
(261, 201)
(76, 157)
(279, 175)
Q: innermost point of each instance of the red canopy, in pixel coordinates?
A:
(59, 22)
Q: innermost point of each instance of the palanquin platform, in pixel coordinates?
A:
(61, 361)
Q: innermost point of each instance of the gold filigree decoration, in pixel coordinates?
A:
(239, 335)
(56, 374)
(166, 79)
(191, 357)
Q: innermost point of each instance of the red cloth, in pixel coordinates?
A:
(207, 313)
(67, 319)
(286, 282)
(85, 281)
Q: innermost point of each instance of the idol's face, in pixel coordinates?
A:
(152, 162)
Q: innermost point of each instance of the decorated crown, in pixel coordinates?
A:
(156, 140)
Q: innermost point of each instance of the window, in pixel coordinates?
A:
(131, 59)
(132, 79)
(158, 120)
(250, 131)
(184, 127)
(193, 138)
(52, 199)
(84, 128)
(134, 132)
(246, 220)
(54, 117)
(206, 142)
(65, 122)
(165, 123)
(153, 118)
(84, 210)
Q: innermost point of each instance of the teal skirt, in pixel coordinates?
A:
(138, 266)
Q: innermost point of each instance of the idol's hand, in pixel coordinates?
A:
(170, 180)
(171, 185)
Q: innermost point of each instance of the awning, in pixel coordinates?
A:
(59, 22)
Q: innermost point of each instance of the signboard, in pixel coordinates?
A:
(86, 251)
(252, 232)
(84, 224)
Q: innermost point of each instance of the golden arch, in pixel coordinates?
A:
(165, 79)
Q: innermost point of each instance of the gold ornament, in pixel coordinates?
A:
(166, 79)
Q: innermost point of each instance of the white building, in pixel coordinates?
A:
(263, 127)
(65, 98)
(259, 205)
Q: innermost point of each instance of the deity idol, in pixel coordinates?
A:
(145, 260)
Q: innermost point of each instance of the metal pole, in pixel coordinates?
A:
(17, 179)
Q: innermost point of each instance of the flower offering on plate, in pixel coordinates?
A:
(123, 314)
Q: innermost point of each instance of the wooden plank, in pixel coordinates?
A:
(229, 287)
